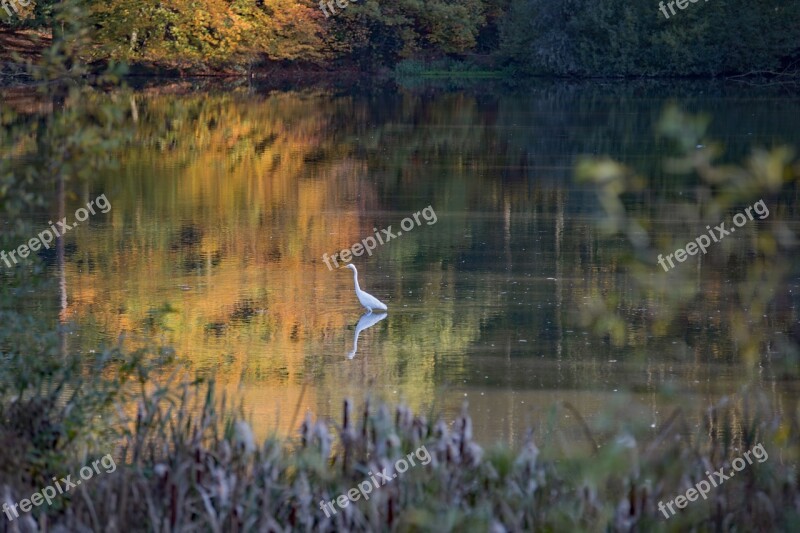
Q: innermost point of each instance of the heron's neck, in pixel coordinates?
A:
(355, 280)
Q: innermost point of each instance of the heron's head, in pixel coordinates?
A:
(352, 267)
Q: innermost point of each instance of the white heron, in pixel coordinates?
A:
(366, 299)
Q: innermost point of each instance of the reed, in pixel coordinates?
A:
(187, 461)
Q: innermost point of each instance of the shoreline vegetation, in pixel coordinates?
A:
(185, 461)
(480, 39)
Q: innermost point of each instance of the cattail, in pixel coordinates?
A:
(324, 437)
(305, 431)
(244, 437)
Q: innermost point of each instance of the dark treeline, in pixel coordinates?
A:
(540, 37)
(627, 38)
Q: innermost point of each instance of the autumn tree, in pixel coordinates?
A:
(384, 32)
(189, 32)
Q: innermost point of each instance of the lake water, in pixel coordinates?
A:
(226, 201)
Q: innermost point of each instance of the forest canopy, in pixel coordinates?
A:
(540, 37)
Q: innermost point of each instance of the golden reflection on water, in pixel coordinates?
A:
(221, 214)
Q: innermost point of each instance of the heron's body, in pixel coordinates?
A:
(367, 300)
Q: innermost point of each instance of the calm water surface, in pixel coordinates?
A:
(224, 206)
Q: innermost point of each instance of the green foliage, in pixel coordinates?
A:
(379, 33)
(532, 35)
(620, 38)
(50, 401)
(714, 193)
(561, 37)
(440, 67)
